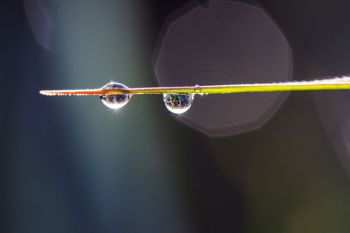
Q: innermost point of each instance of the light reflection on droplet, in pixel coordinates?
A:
(115, 101)
(178, 103)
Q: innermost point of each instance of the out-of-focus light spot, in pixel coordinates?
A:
(40, 21)
(226, 42)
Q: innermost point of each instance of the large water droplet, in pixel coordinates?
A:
(178, 103)
(115, 101)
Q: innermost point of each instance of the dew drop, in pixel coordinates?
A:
(178, 103)
(115, 101)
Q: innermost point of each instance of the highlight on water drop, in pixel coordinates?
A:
(178, 103)
(115, 101)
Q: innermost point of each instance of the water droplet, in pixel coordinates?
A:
(115, 101)
(178, 103)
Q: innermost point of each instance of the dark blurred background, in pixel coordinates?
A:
(71, 165)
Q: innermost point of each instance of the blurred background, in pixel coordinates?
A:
(72, 165)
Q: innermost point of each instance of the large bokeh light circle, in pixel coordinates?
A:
(225, 43)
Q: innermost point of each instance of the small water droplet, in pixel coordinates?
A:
(115, 101)
(178, 103)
